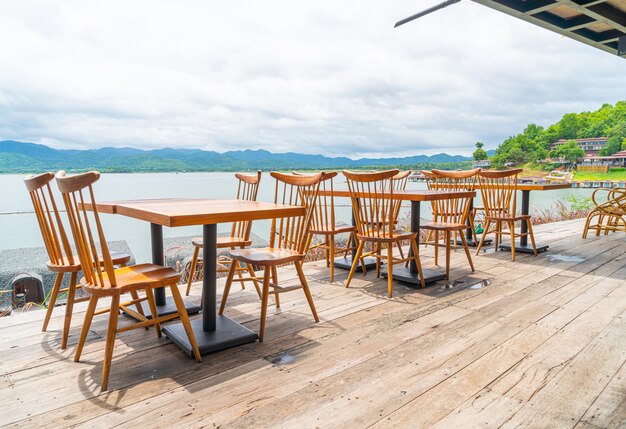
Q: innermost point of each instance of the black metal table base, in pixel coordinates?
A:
(346, 263)
(228, 333)
(167, 309)
(404, 275)
(527, 248)
(472, 243)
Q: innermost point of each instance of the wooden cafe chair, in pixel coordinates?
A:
(247, 189)
(451, 214)
(373, 206)
(102, 280)
(62, 259)
(323, 224)
(289, 241)
(499, 193)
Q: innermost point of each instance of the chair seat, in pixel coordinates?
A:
(397, 235)
(140, 276)
(508, 218)
(266, 256)
(338, 228)
(444, 226)
(224, 242)
(118, 258)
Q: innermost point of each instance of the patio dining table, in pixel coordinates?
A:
(408, 275)
(212, 332)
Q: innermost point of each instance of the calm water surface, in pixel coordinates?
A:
(20, 230)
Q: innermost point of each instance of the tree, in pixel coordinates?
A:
(570, 151)
(624, 144)
(480, 154)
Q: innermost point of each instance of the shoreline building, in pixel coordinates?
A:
(591, 146)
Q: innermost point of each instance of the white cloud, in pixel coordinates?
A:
(316, 77)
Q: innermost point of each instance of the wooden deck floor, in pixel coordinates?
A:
(543, 345)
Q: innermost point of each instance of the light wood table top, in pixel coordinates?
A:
(540, 186)
(410, 195)
(174, 212)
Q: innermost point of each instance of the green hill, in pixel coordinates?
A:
(18, 157)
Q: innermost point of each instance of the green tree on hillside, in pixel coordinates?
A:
(570, 151)
(533, 144)
(480, 154)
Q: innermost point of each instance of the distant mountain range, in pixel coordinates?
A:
(19, 157)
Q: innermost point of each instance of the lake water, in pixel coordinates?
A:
(19, 229)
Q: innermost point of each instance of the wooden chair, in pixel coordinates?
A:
(432, 183)
(247, 189)
(450, 215)
(289, 241)
(499, 194)
(610, 214)
(324, 224)
(62, 260)
(373, 206)
(102, 280)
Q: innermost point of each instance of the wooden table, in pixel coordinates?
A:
(212, 333)
(408, 275)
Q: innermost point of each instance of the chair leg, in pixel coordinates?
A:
(229, 282)
(355, 262)
(378, 260)
(255, 282)
(532, 236)
(265, 299)
(110, 342)
(512, 231)
(467, 251)
(447, 237)
(275, 280)
(192, 271)
(307, 291)
(53, 299)
(154, 311)
(483, 235)
(69, 307)
(184, 318)
(91, 308)
(138, 305)
(436, 248)
(331, 265)
(400, 249)
(416, 255)
(349, 244)
(389, 270)
(498, 234)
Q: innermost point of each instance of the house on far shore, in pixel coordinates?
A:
(602, 164)
(485, 163)
(591, 146)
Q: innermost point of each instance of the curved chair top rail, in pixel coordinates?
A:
(498, 174)
(76, 182)
(249, 178)
(464, 174)
(34, 182)
(402, 175)
(298, 180)
(370, 177)
(326, 175)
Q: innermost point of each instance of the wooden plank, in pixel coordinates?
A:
(566, 398)
(609, 408)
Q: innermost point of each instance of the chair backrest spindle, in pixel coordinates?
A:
(49, 220)
(372, 200)
(95, 258)
(292, 232)
(247, 189)
(499, 192)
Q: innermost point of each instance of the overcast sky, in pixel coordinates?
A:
(330, 77)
